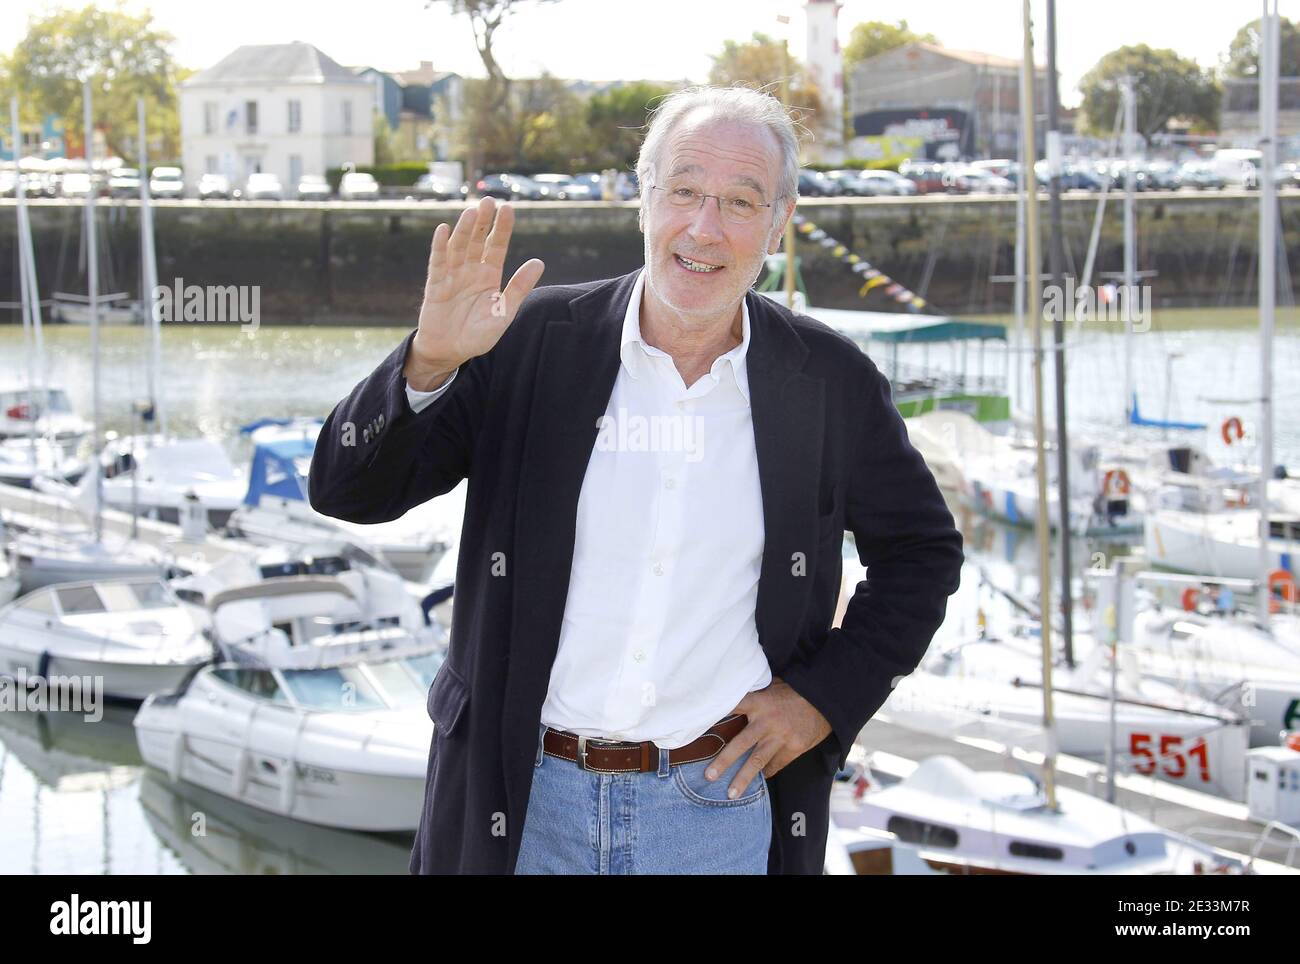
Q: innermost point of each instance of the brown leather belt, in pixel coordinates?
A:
(605, 756)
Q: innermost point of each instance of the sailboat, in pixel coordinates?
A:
(59, 553)
(30, 443)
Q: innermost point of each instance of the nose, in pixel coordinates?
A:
(706, 222)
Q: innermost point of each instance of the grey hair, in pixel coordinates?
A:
(737, 104)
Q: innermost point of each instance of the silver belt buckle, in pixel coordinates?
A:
(582, 752)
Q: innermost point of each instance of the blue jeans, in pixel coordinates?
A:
(673, 821)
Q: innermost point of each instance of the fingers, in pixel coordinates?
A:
(482, 222)
(499, 240)
(757, 760)
(438, 256)
(732, 752)
(458, 245)
(522, 282)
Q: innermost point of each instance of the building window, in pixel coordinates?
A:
(209, 117)
(295, 171)
(295, 116)
(250, 117)
(210, 164)
(347, 117)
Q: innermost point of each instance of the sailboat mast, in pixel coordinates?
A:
(1035, 299)
(149, 279)
(20, 197)
(1130, 240)
(92, 294)
(1268, 84)
(1056, 260)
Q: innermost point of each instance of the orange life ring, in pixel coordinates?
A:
(1281, 588)
(1115, 483)
(1231, 430)
(1191, 596)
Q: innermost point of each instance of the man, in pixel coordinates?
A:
(642, 676)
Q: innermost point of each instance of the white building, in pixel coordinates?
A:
(287, 109)
(825, 66)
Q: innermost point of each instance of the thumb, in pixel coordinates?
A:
(522, 282)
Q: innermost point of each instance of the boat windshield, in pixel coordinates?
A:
(390, 684)
(336, 688)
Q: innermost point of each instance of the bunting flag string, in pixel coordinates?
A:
(872, 277)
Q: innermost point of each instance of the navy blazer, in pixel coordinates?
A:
(520, 423)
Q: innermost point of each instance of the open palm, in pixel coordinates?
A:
(465, 310)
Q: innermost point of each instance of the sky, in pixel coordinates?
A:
(665, 39)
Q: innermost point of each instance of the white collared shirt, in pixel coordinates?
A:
(658, 640)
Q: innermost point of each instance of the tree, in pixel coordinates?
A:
(1242, 60)
(761, 62)
(616, 120)
(124, 56)
(493, 96)
(876, 37)
(1166, 85)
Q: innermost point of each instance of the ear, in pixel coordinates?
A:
(774, 245)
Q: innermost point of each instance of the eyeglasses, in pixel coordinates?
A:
(736, 209)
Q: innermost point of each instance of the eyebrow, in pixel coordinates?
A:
(743, 179)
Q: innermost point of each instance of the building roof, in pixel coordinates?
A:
(976, 57)
(291, 63)
(424, 75)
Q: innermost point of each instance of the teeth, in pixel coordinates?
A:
(696, 266)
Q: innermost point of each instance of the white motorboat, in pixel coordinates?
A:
(945, 818)
(23, 460)
(134, 635)
(46, 556)
(1222, 543)
(994, 475)
(54, 416)
(275, 509)
(157, 474)
(319, 714)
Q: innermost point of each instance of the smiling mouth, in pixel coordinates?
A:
(699, 267)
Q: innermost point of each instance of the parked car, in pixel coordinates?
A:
(525, 188)
(887, 183)
(166, 182)
(852, 185)
(75, 184)
(817, 184)
(358, 186)
(214, 186)
(124, 182)
(431, 187)
(1287, 175)
(1162, 175)
(313, 187)
(926, 175)
(263, 186)
(494, 185)
(1199, 175)
(973, 180)
(1238, 166)
(554, 186)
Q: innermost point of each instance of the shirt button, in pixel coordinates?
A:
(658, 569)
(638, 656)
(670, 483)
